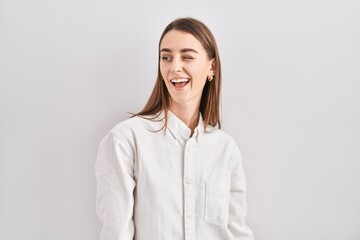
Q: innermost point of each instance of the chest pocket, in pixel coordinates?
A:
(217, 202)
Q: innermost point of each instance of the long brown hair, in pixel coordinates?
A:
(210, 100)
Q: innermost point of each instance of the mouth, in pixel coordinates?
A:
(180, 82)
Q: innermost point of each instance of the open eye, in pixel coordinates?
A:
(166, 58)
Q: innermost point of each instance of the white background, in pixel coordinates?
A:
(70, 70)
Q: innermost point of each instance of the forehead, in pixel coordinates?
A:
(177, 40)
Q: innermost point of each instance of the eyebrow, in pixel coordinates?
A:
(182, 50)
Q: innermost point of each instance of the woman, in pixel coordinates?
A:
(169, 172)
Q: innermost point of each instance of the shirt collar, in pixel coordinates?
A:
(180, 130)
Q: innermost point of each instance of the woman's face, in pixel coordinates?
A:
(184, 66)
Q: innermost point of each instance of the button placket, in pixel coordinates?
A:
(189, 192)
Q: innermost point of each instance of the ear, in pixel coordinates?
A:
(212, 69)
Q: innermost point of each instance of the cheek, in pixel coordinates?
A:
(163, 70)
(200, 74)
(200, 69)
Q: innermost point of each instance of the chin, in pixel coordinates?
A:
(179, 100)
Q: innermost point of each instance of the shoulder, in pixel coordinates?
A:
(221, 136)
(223, 141)
(129, 128)
(128, 124)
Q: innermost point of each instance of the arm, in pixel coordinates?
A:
(114, 171)
(237, 207)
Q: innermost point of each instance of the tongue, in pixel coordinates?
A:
(180, 84)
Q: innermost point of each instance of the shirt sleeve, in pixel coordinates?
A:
(114, 170)
(237, 207)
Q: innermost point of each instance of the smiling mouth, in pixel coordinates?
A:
(180, 82)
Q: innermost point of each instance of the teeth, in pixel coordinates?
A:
(179, 80)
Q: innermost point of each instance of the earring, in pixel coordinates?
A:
(210, 77)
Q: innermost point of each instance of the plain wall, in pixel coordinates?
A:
(70, 70)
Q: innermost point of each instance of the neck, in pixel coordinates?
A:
(188, 114)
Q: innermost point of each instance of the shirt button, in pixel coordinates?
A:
(190, 216)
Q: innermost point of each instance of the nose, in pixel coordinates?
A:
(176, 65)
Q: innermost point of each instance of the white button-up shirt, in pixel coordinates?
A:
(166, 185)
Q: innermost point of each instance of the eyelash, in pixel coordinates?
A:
(165, 58)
